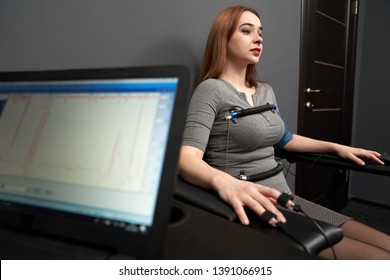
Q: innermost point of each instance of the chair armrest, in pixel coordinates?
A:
(203, 199)
(333, 161)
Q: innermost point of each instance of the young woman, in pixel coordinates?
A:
(216, 150)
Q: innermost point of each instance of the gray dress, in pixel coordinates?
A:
(246, 145)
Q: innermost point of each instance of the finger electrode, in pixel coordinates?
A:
(283, 199)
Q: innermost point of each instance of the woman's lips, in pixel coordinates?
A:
(256, 51)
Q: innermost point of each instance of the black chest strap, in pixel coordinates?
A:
(261, 176)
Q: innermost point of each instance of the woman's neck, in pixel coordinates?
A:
(236, 76)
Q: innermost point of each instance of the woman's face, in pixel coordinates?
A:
(246, 44)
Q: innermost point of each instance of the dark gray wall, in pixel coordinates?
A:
(372, 111)
(57, 34)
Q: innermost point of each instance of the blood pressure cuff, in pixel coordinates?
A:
(287, 136)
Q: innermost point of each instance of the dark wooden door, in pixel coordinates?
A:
(326, 92)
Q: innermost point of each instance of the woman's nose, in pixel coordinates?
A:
(258, 39)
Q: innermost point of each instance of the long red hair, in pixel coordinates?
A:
(214, 59)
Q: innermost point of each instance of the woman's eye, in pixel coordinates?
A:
(246, 31)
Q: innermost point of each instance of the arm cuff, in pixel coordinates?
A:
(287, 136)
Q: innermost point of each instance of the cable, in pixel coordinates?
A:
(314, 163)
(266, 218)
(288, 171)
(298, 208)
(283, 200)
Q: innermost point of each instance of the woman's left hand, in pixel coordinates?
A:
(358, 155)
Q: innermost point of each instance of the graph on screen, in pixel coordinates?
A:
(94, 140)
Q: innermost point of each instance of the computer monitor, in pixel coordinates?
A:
(90, 155)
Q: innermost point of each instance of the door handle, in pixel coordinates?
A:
(309, 105)
(310, 90)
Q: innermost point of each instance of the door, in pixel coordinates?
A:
(326, 92)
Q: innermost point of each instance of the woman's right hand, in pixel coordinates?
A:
(240, 194)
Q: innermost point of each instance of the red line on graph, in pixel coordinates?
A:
(131, 159)
(114, 152)
(35, 143)
(16, 99)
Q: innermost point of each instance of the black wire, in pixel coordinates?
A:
(307, 168)
(298, 208)
(315, 161)
(288, 170)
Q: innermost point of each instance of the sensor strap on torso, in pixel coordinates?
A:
(261, 176)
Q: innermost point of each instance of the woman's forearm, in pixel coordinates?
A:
(304, 144)
(195, 170)
(307, 145)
